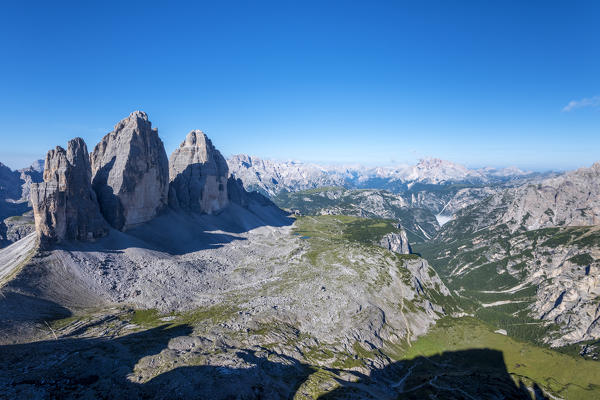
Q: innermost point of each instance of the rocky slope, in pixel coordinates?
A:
(317, 291)
(571, 199)
(420, 223)
(16, 220)
(529, 255)
(243, 281)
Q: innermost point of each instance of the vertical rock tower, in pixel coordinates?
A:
(65, 205)
(130, 172)
(396, 242)
(198, 174)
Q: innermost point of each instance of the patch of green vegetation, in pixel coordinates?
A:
(582, 259)
(64, 322)
(146, 318)
(216, 314)
(560, 374)
(342, 227)
(317, 384)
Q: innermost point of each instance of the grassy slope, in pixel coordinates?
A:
(311, 202)
(484, 275)
(561, 374)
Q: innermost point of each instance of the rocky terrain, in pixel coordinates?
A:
(160, 277)
(273, 177)
(226, 266)
(420, 223)
(529, 256)
(16, 219)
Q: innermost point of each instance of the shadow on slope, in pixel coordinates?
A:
(180, 232)
(104, 368)
(466, 374)
(25, 316)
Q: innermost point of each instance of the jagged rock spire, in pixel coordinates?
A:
(64, 205)
(130, 172)
(198, 174)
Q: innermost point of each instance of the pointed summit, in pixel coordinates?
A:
(64, 205)
(130, 172)
(198, 174)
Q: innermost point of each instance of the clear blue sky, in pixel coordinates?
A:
(371, 82)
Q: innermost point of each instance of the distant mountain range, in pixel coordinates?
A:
(272, 177)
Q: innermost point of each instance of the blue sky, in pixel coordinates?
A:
(480, 83)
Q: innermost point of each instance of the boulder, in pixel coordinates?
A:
(130, 172)
(64, 204)
(198, 176)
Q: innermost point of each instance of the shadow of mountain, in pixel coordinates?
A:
(104, 368)
(181, 232)
(21, 315)
(466, 374)
(110, 205)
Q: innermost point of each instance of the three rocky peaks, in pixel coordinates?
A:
(125, 181)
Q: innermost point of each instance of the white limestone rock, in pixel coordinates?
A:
(198, 176)
(130, 172)
(64, 205)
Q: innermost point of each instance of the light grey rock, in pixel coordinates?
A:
(130, 172)
(365, 203)
(541, 237)
(198, 175)
(272, 177)
(17, 227)
(29, 175)
(396, 242)
(64, 205)
(572, 199)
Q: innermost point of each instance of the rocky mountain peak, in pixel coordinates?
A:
(135, 118)
(64, 205)
(130, 172)
(198, 175)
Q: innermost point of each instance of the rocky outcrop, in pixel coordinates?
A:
(64, 205)
(572, 199)
(130, 172)
(16, 227)
(198, 175)
(396, 242)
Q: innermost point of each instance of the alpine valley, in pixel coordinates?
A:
(125, 273)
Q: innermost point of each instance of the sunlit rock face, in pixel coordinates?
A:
(198, 175)
(130, 172)
(396, 242)
(65, 205)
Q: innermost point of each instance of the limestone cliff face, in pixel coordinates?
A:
(64, 205)
(130, 172)
(198, 175)
(396, 242)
